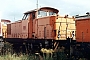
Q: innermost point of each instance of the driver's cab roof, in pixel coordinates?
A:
(44, 9)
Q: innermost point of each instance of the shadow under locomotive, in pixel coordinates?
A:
(35, 45)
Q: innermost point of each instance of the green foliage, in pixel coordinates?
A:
(15, 57)
(9, 54)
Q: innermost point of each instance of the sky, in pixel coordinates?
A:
(13, 9)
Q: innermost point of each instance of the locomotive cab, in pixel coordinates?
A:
(44, 24)
(41, 12)
(37, 16)
(47, 11)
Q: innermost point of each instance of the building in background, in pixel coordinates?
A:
(4, 27)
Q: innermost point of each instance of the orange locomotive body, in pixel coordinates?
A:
(44, 23)
(83, 28)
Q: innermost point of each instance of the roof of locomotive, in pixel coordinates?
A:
(82, 17)
(87, 16)
(4, 20)
(30, 11)
(50, 8)
(42, 8)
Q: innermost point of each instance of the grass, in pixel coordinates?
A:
(7, 53)
(16, 57)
